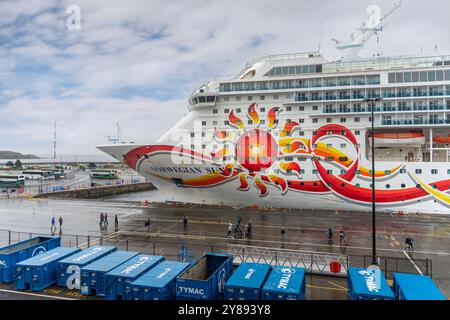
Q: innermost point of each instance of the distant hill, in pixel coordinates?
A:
(11, 155)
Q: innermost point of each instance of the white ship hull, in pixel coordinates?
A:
(180, 182)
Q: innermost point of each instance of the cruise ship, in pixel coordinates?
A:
(294, 131)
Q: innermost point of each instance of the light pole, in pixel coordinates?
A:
(374, 239)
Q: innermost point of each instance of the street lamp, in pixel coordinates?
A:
(374, 247)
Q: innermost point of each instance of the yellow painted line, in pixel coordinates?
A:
(337, 285)
(35, 294)
(445, 294)
(325, 288)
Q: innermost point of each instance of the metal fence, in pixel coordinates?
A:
(175, 249)
(8, 237)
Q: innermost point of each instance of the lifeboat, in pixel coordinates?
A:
(445, 140)
(398, 139)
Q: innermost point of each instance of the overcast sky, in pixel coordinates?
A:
(136, 62)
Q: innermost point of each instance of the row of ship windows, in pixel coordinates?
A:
(300, 83)
(301, 120)
(419, 76)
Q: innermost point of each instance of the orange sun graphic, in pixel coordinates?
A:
(256, 153)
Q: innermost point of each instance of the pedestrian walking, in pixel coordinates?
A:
(105, 222)
(185, 222)
(408, 243)
(283, 234)
(248, 233)
(230, 230)
(411, 241)
(60, 222)
(330, 233)
(53, 227)
(116, 223)
(342, 239)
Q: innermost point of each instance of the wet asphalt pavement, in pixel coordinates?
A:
(207, 229)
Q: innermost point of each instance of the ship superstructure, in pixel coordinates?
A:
(294, 131)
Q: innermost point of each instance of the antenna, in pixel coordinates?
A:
(54, 140)
(118, 132)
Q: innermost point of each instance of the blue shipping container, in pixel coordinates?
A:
(10, 255)
(368, 284)
(159, 283)
(416, 287)
(92, 275)
(205, 279)
(247, 281)
(118, 281)
(69, 268)
(40, 272)
(285, 283)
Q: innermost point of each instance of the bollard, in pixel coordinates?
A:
(127, 244)
(154, 248)
(9, 237)
(89, 241)
(76, 239)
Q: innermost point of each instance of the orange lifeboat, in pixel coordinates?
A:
(445, 140)
(399, 139)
